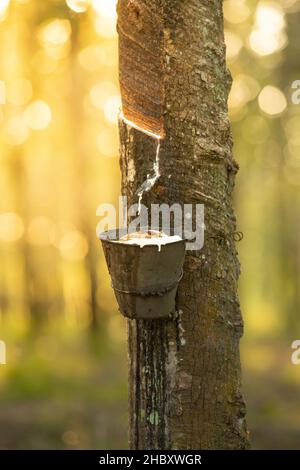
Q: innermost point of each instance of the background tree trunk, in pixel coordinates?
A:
(184, 376)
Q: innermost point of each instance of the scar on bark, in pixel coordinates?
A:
(141, 66)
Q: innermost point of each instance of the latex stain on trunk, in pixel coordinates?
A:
(140, 64)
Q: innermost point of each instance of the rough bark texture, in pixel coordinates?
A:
(184, 376)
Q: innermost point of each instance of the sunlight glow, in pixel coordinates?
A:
(105, 27)
(4, 4)
(105, 8)
(106, 16)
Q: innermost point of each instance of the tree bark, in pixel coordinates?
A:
(184, 373)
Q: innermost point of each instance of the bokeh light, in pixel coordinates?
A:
(233, 45)
(73, 246)
(268, 35)
(54, 35)
(100, 92)
(56, 32)
(244, 89)
(236, 11)
(112, 108)
(78, 6)
(272, 101)
(37, 115)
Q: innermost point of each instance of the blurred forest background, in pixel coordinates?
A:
(65, 382)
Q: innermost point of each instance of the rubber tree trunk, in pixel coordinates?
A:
(184, 374)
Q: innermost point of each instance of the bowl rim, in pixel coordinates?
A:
(104, 237)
